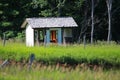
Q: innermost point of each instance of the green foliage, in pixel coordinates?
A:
(1, 12)
(13, 13)
(21, 35)
(46, 13)
(105, 55)
(52, 73)
(39, 3)
(6, 23)
(9, 34)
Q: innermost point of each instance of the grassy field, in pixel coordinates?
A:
(92, 54)
(99, 54)
(51, 73)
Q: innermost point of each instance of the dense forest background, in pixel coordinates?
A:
(14, 12)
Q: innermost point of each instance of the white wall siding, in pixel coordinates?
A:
(29, 36)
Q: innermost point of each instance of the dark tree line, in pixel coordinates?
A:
(103, 16)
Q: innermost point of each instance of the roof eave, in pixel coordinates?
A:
(24, 24)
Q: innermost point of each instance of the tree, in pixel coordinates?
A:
(92, 18)
(60, 5)
(85, 9)
(13, 13)
(88, 17)
(109, 6)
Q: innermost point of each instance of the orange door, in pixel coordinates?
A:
(53, 36)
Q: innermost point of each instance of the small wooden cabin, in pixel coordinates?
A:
(49, 30)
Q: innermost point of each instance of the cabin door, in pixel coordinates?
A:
(53, 36)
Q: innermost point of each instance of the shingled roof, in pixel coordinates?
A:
(50, 22)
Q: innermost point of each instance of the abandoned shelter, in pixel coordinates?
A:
(49, 30)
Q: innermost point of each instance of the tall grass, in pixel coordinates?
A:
(93, 54)
(16, 73)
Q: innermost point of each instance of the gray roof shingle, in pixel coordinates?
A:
(51, 22)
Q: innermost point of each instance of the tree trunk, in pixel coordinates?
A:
(59, 8)
(84, 22)
(109, 6)
(92, 17)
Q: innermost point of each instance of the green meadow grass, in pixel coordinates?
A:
(101, 54)
(93, 54)
(17, 73)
